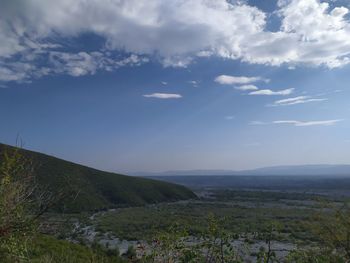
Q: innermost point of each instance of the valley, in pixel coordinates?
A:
(245, 215)
(118, 218)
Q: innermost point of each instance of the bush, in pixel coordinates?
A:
(17, 217)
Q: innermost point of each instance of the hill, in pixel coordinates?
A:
(98, 189)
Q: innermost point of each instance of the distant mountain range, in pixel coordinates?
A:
(306, 170)
(98, 189)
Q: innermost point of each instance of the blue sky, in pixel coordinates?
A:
(129, 86)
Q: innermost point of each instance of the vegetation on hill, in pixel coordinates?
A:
(23, 200)
(48, 249)
(90, 189)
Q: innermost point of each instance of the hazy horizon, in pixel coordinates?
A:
(128, 86)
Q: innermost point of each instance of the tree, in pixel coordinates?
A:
(331, 227)
(268, 235)
(176, 245)
(22, 202)
(17, 191)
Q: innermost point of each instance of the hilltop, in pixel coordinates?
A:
(97, 189)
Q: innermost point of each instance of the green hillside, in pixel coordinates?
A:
(97, 189)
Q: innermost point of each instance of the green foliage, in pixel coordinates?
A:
(175, 245)
(144, 222)
(16, 201)
(168, 246)
(331, 226)
(194, 237)
(21, 204)
(261, 196)
(48, 249)
(319, 255)
(217, 243)
(268, 235)
(96, 190)
(130, 253)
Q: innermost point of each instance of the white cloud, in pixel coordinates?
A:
(269, 92)
(175, 32)
(230, 80)
(83, 63)
(164, 83)
(247, 87)
(57, 62)
(194, 83)
(257, 123)
(204, 54)
(8, 74)
(163, 96)
(230, 117)
(297, 100)
(323, 34)
(308, 123)
(78, 64)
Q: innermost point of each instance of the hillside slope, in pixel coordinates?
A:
(97, 189)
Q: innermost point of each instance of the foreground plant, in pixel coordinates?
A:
(17, 221)
(177, 245)
(22, 203)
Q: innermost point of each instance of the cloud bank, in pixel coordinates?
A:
(172, 32)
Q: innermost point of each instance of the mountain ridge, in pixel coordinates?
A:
(98, 189)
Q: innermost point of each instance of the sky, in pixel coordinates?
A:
(156, 85)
